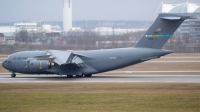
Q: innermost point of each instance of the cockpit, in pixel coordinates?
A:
(9, 57)
(6, 62)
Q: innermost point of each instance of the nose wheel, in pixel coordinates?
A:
(13, 75)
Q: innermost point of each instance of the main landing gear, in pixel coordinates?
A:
(69, 76)
(88, 75)
(79, 76)
(13, 75)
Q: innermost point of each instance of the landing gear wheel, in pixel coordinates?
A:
(89, 75)
(79, 76)
(13, 75)
(69, 76)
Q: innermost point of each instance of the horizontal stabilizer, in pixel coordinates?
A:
(171, 18)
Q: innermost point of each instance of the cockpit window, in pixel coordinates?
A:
(9, 57)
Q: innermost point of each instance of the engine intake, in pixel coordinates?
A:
(40, 65)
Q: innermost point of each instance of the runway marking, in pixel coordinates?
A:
(179, 57)
(4, 73)
(104, 79)
(130, 82)
(8, 73)
(173, 61)
(101, 82)
(129, 72)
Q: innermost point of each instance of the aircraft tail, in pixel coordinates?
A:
(161, 30)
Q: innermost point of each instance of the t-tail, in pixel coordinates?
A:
(161, 30)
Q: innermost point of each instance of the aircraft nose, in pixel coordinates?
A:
(4, 63)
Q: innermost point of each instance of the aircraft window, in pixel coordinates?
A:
(9, 57)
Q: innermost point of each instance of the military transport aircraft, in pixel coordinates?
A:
(86, 63)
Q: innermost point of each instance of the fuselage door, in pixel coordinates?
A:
(27, 66)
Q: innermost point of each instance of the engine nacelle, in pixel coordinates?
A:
(40, 65)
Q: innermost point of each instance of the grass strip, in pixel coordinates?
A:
(99, 97)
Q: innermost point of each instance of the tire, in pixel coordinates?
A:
(69, 76)
(89, 75)
(13, 75)
(79, 75)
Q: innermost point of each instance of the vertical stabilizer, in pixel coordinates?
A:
(161, 30)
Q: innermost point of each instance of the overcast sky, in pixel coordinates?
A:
(51, 10)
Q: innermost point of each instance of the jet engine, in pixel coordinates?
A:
(40, 65)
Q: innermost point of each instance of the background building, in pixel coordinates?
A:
(67, 15)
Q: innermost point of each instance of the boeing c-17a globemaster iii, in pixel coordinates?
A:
(86, 63)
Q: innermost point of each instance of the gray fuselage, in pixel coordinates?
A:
(101, 61)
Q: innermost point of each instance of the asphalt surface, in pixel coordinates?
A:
(118, 78)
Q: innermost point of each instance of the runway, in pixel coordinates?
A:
(123, 78)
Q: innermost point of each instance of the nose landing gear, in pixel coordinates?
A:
(13, 75)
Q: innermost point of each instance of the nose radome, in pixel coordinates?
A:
(3, 64)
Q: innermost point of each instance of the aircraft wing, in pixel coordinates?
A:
(61, 57)
(64, 57)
